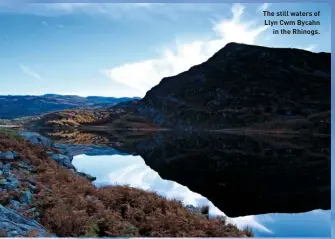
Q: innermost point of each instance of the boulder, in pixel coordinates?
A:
(63, 160)
(12, 183)
(3, 181)
(36, 139)
(8, 155)
(89, 177)
(14, 203)
(62, 148)
(26, 197)
(14, 224)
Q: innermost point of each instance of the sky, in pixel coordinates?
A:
(123, 49)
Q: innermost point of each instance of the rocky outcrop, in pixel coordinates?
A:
(64, 158)
(37, 139)
(244, 85)
(14, 224)
(88, 176)
(12, 182)
(8, 155)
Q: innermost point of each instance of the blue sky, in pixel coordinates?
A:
(125, 49)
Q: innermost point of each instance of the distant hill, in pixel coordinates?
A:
(13, 106)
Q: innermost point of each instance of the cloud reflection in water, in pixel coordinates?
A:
(132, 170)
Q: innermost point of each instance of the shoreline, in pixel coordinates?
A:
(55, 187)
(239, 131)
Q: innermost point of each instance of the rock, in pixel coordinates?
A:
(14, 224)
(63, 160)
(6, 169)
(60, 146)
(193, 209)
(31, 210)
(3, 181)
(12, 184)
(32, 187)
(37, 215)
(60, 158)
(49, 153)
(8, 155)
(12, 178)
(26, 197)
(89, 177)
(190, 206)
(14, 203)
(36, 139)
(1, 173)
(24, 165)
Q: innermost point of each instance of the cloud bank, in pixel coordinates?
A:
(145, 74)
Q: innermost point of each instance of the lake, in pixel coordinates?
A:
(278, 186)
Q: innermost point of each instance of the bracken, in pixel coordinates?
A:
(69, 205)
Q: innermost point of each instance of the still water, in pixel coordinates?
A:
(132, 170)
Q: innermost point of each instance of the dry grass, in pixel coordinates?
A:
(71, 206)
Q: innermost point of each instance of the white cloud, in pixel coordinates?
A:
(145, 74)
(311, 47)
(249, 221)
(60, 26)
(45, 23)
(28, 71)
(132, 171)
(264, 7)
(234, 30)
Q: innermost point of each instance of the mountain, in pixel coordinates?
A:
(13, 106)
(240, 87)
(246, 86)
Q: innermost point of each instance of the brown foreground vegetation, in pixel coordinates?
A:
(69, 205)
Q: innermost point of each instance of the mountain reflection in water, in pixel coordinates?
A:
(254, 180)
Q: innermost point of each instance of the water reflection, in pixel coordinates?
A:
(277, 176)
(258, 181)
(132, 170)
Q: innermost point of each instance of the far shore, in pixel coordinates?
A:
(239, 131)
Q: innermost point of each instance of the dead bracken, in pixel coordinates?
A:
(71, 206)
